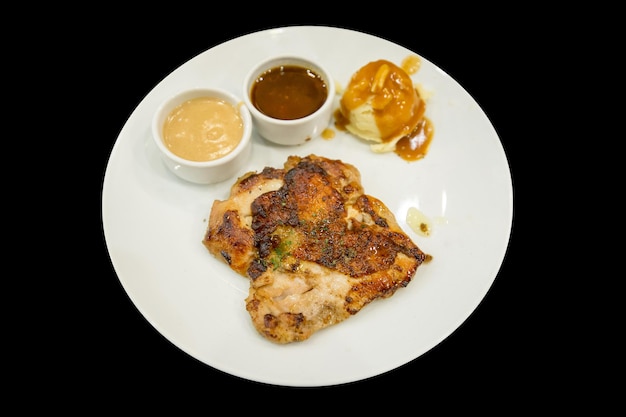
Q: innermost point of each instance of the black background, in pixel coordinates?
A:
(120, 354)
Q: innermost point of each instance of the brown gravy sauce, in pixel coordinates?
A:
(288, 92)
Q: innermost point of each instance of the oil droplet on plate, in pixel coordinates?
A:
(419, 222)
(328, 134)
(411, 64)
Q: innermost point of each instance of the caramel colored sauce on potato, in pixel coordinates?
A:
(415, 146)
(340, 120)
(288, 92)
(398, 107)
(394, 100)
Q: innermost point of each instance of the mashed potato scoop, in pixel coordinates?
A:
(381, 105)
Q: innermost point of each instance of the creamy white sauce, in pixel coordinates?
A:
(203, 129)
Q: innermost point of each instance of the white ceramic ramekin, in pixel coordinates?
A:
(207, 172)
(296, 131)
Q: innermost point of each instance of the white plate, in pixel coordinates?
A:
(154, 222)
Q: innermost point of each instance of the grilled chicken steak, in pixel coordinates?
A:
(315, 247)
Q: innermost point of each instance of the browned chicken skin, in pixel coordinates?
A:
(315, 247)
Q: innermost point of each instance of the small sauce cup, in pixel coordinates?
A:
(290, 99)
(203, 134)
